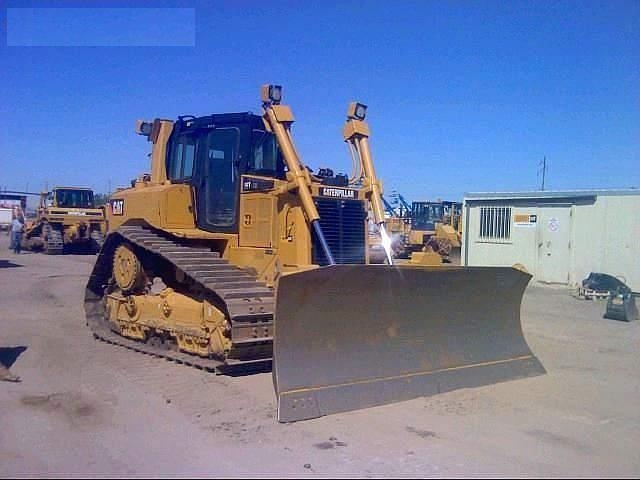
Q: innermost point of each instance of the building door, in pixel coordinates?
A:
(554, 235)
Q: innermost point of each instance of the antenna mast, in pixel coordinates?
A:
(543, 170)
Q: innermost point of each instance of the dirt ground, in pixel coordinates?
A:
(86, 408)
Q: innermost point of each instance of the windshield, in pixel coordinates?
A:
(425, 214)
(74, 198)
(265, 157)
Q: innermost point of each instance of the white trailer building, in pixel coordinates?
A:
(559, 237)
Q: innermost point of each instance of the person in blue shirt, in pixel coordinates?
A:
(17, 227)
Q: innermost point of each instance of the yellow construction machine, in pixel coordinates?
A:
(66, 217)
(232, 255)
(448, 235)
(452, 216)
(427, 232)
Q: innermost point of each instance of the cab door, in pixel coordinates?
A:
(217, 189)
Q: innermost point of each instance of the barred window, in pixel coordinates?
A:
(495, 223)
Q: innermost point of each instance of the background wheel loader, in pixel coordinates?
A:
(232, 255)
(66, 217)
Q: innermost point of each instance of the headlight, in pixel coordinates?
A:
(357, 111)
(144, 128)
(275, 93)
(272, 94)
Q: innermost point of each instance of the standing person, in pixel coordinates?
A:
(10, 231)
(14, 214)
(17, 226)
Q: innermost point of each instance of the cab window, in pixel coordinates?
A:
(218, 194)
(265, 157)
(182, 157)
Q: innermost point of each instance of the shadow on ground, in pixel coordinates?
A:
(9, 355)
(8, 264)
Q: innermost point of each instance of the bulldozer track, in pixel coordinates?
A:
(53, 244)
(97, 240)
(249, 303)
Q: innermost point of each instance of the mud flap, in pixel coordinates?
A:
(355, 336)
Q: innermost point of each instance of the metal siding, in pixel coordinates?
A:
(604, 237)
(520, 246)
(607, 239)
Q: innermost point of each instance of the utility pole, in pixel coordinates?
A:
(543, 170)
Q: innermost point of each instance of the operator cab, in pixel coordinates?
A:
(70, 198)
(424, 215)
(211, 154)
(451, 211)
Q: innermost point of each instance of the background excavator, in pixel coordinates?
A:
(232, 255)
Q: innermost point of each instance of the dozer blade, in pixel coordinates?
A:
(355, 336)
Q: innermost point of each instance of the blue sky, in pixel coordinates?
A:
(463, 96)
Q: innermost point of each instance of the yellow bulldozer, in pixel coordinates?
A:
(426, 232)
(452, 216)
(231, 255)
(66, 217)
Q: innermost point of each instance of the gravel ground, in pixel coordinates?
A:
(86, 408)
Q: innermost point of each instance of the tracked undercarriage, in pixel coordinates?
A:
(349, 335)
(169, 297)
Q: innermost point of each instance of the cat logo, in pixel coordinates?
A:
(117, 207)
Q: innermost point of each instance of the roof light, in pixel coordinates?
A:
(144, 128)
(357, 111)
(272, 94)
